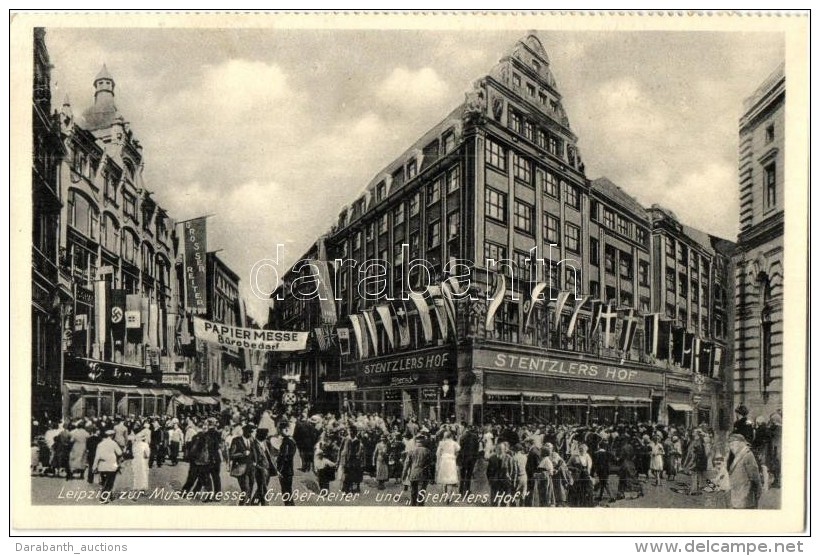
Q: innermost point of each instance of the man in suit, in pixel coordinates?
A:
(213, 441)
(264, 467)
(284, 462)
(744, 475)
(243, 462)
(417, 469)
(743, 425)
(304, 435)
(467, 457)
(159, 440)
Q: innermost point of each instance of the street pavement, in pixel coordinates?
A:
(165, 480)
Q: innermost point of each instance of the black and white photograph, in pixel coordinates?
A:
(532, 267)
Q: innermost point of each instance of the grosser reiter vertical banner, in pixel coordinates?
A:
(195, 249)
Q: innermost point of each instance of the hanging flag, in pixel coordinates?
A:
(117, 313)
(688, 345)
(80, 322)
(133, 311)
(664, 337)
(324, 288)
(705, 358)
(559, 306)
(195, 249)
(424, 315)
(243, 321)
(716, 361)
(100, 313)
(696, 345)
(678, 341)
(371, 329)
(628, 327)
(153, 325)
(597, 309)
(449, 306)
(608, 319)
(185, 330)
(573, 320)
(495, 303)
(387, 322)
(344, 340)
(529, 304)
(402, 324)
(650, 333)
(358, 333)
(438, 308)
(321, 339)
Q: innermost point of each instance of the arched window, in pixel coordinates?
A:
(83, 215)
(148, 260)
(129, 242)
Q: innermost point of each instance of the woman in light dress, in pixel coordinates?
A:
(139, 465)
(446, 468)
(488, 442)
(77, 457)
(656, 453)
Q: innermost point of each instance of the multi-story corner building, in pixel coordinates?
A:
(501, 179)
(118, 249)
(46, 296)
(758, 334)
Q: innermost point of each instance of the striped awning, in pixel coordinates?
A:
(680, 406)
(207, 400)
(184, 400)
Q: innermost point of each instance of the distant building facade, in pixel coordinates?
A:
(500, 176)
(758, 338)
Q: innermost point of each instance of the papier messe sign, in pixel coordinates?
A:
(249, 338)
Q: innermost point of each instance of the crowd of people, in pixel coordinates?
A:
(535, 464)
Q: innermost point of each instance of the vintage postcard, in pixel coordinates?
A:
(412, 272)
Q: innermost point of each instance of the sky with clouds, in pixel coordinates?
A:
(274, 131)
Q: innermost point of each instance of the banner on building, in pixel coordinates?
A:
(133, 311)
(327, 301)
(117, 312)
(249, 338)
(195, 238)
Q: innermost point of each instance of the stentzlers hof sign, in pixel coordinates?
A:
(423, 368)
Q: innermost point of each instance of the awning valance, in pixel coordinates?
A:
(184, 400)
(680, 406)
(207, 400)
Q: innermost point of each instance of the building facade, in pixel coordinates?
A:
(565, 275)
(118, 248)
(758, 338)
(47, 297)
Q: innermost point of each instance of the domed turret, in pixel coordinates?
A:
(104, 110)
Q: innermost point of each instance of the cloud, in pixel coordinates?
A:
(408, 90)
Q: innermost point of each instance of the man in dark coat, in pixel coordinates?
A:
(243, 462)
(533, 459)
(284, 462)
(264, 467)
(213, 466)
(601, 461)
(159, 441)
(467, 457)
(304, 435)
(743, 425)
(417, 469)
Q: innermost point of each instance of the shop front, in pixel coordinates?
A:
(690, 400)
(416, 384)
(97, 400)
(522, 387)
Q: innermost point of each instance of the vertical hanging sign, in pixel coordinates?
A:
(195, 249)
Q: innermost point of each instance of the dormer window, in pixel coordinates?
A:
(536, 65)
(449, 141)
(412, 169)
(516, 80)
(381, 191)
(531, 90)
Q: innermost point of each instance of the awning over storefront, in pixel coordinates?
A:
(680, 407)
(206, 400)
(184, 400)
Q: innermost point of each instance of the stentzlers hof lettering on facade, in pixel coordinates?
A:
(570, 369)
(428, 368)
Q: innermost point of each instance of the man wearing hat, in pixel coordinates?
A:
(243, 462)
(264, 467)
(213, 464)
(418, 469)
(743, 425)
(106, 463)
(744, 474)
(284, 462)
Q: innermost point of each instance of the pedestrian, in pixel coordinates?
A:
(265, 466)
(380, 462)
(325, 468)
(602, 465)
(743, 425)
(580, 467)
(417, 469)
(78, 457)
(700, 464)
(284, 462)
(351, 460)
(175, 439)
(62, 450)
(723, 484)
(467, 457)
(242, 456)
(158, 444)
(213, 464)
(141, 453)
(91, 451)
(656, 453)
(761, 448)
(521, 480)
(107, 464)
(446, 467)
(744, 475)
(531, 467)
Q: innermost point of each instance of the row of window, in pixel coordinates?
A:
(618, 223)
(677, 250)
(450, 180)
(681, 287)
